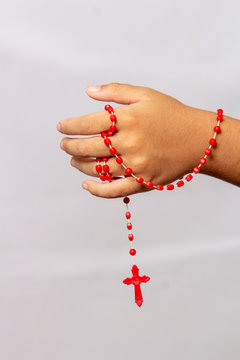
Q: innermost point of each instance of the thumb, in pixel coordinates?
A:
(117, 92)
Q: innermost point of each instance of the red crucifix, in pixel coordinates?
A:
(136, 280)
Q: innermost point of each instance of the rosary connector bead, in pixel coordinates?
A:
(180, 183)
(130, 237)
(113, 151)
(189, 177)
(126, 200)
(113, 118)
(208, 151)
(132, 252)
(212, 142)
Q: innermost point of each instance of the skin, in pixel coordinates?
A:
(159, 137)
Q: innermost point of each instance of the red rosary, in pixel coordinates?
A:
(104, 174)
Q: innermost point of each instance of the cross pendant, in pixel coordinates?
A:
(136, 280)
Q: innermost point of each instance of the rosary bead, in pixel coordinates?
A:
(106, 168)
(102, 177)
(113, 118)
(149, 184)
(189, 177)
(128, 171)
(170, 187)
(129, 226)
(103, 134)
(113, 151)
(112, 128)
(107, 141)
(130, 237)
(98, 168)
(109, 133)
(202, 161)
(108, 177)
(110, 109)
(98, 160)
(105, 159)
(220, 111)
(126, 200)
(139, 179)
(106, 107)
(132, 252)
(217, 129)
(128, 214)
(180, 183)
(208, 151)
(219, 117)
(196, 169)
(212, 142)
(159, 187)
(119, 160)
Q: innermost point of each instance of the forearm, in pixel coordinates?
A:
(224, 162)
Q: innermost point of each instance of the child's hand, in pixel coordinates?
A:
(159, 137)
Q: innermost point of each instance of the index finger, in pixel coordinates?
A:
(89, 124)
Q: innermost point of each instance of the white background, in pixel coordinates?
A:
(64, 252)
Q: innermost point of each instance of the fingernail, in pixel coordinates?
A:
(85, 186)
(59, 126)
(93, 88)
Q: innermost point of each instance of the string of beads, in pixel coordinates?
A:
(105, 175)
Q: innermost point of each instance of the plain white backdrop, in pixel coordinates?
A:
(64, 252)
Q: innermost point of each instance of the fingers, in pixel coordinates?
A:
(115, 188)
(89, 124)
(88, 166)
(89, 147)
(119, 93)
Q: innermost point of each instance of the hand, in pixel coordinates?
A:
(159, 137)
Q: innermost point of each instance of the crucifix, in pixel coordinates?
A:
(136, 280)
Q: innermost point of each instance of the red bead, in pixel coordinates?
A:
(109, 133)
(106, 107)
(98, 168)
(113, 118)
(106, 168)
(189, 177)
(128, 214)
(128, 171)
(159, 187)
(212, 142)
(202, 161)
(132, 252)
(110, 109)
(105, 159)
(113, 151)
(217, 129)
(208, 151)
(196, 169)
(219, 118)
(103, 134)
(139, 179)
(126, 200)
(170, 187)
(220, 111)
(98, 160)
(113, 128)
(119, 160)
(107, 141)
(108, 176)
(130, 237)
(149, 184)
(102, 177)
(180, 183)
(129, 226)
